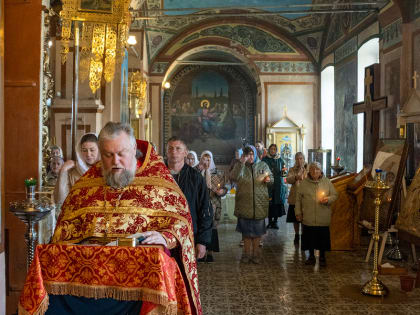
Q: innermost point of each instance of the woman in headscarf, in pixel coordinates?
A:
(277, 191)
(191, 159)
(314, 197)
(251, 201)
(296, 175)
(87, 154)
(216, 186)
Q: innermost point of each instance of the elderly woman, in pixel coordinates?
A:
(191, 159)
(216, 187)
(251, 201)
(87, 154)
(296, 175)
(277, 191)
(314, 197)
(56, 163)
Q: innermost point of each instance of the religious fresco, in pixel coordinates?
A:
(210, 109)
(200, 4)
(253, 39)
(159, 31)
(392, 90)
(343, 24)
(392, 34)
(345, 136)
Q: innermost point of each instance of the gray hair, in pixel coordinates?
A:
(315, 165)
(113, 129)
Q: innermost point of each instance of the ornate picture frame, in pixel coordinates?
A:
(106, 11)
(391, 157)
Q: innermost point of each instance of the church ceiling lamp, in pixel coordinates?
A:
(104, 34)
(132, 40)
(167, 85)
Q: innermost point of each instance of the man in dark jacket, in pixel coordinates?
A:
(194, 188)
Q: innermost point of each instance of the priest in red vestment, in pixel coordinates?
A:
(130, 191)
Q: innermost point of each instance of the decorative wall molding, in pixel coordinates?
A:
(156, 40)
(159, 67)
(285, 66)
(346, 50)
(250, 37)
(392, 34)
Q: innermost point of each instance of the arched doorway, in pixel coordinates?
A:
(211, 107)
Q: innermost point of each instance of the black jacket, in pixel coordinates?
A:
(195, 190)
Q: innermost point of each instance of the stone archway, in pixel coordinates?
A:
(210, 108)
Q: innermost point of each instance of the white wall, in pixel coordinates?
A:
(327, 109)
(300, 94)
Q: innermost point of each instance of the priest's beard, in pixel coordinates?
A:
(122, 179)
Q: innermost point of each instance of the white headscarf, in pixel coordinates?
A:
(212, 166)
(195, 158)
(81, 165)
(207, 173)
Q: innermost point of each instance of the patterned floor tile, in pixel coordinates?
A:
(282, 284)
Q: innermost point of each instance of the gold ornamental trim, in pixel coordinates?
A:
(109, 22)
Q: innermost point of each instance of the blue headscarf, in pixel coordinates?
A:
(256, 159)
(240, 152)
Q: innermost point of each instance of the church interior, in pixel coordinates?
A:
(338, 80)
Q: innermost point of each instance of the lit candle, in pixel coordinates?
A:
(218, 186)
(321, 195)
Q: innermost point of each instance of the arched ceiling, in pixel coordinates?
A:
(306, 22)
(212, 56)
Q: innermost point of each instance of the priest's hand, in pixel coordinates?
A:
(200, 251)
(153, 238)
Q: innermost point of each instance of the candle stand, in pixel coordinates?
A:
(31, 211)
(374, 286)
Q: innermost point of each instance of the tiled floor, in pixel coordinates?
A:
(282, 284)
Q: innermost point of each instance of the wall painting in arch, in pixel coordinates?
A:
(210, 109)
(345, 135)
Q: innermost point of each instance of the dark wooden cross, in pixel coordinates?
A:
(371, 107)
(415, 77)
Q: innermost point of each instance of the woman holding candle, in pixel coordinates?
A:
(251, 201)
(296, 175)
(314, 197)
(216, 187)
(277, 192)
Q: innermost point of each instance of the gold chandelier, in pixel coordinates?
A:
(104, 33)
(137, 92)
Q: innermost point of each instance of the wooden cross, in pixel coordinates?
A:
(415, 77)
(371, 107)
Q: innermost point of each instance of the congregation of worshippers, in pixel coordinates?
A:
(265, 189)
(120, 188)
